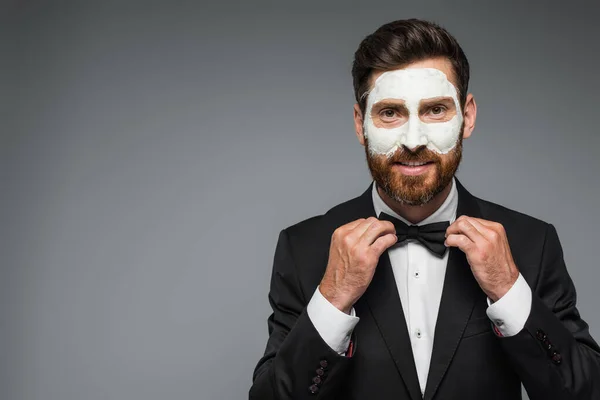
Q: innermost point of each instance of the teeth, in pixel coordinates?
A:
(413, 164)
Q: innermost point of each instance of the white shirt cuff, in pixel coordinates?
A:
(334, 326)
(511, 311)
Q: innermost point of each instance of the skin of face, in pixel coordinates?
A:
(412, 106)
(415, 196)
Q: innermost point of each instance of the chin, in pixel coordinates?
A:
(413, 190)
(414, 198)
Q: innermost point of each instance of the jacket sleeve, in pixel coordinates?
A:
(297, 363)
(554, 354)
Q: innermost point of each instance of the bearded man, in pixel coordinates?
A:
(417, 289)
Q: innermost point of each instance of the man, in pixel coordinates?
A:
(416, 288)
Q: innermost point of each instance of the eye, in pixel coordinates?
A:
(437, 110)
(387, 113)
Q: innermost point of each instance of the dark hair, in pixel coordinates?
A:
(402, 42)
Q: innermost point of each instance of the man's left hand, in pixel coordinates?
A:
(488, 253)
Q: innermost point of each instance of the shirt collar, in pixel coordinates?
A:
(446, 212)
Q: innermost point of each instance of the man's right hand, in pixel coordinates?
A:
(353, 256)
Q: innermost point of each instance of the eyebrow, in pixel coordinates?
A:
(389, 104)
(433, 100)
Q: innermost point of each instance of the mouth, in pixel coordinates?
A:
(413, 168)
(413, 163)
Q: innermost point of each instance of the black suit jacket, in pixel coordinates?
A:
(553, 355)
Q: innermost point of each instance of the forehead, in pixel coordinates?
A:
(412, 84)
(441, 64)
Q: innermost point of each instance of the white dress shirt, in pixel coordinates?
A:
(419, 276)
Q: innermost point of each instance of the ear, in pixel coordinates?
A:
(358, 124)
(470, 116)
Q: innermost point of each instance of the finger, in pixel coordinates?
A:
(486, 230)
(343, 230)
(491, 224)
(495, 230)
(362, 226)
(382, 243)
(375, 230)
(464, 226)
(461, 241)
(358, 227)
(353, 224)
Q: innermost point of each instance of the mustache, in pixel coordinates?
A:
(405, 156)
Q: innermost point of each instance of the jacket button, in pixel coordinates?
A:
(556, 358)
(540, 335)
(323, 363)
(547, 344)
(313, 389)
(317, 380)
(320, 371)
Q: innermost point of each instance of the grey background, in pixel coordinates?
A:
(151, 152)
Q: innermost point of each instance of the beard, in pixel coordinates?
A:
(415, 190)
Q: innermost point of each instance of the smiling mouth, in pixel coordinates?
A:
(414, 164)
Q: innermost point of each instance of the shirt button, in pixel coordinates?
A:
(499, 322)
(418, 333)
(417, 274)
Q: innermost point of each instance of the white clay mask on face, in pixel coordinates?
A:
(412, 85)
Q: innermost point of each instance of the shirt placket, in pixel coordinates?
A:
(417, 312)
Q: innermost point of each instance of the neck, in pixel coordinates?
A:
(416, 214)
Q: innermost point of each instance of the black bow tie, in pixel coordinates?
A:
(431, 235)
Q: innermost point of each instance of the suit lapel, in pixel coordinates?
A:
(458, 299)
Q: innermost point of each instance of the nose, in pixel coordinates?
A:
(415, 150)
(414, 138)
